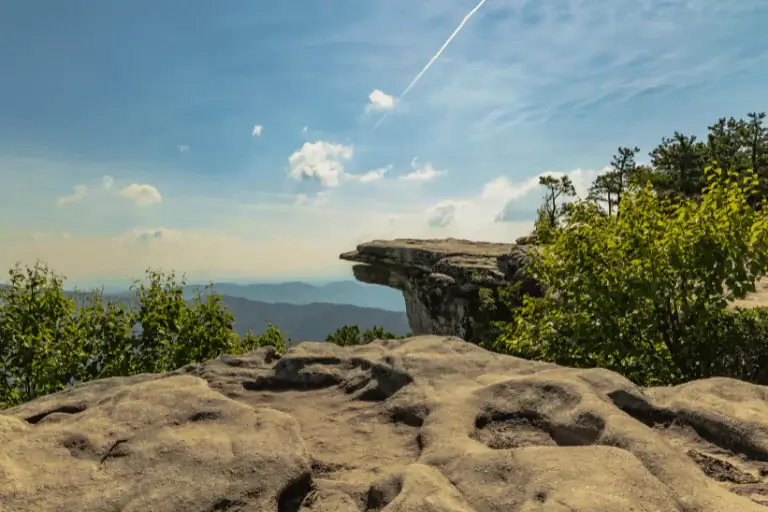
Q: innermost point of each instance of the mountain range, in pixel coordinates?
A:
(310, 322)
(294, 292)
(302, 311)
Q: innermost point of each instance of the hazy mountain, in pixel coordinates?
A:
(307, 312)
(301, 322)
(339, 292)
(310, 322)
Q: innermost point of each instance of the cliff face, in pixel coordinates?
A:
(441, 279)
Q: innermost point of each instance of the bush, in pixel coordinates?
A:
(642, 293)
(272, 337)
(349, 335)
(49, 340)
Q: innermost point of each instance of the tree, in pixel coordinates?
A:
(643, 293)
(553, 208)
(609, 187)
(272, 337)
(724, 144)
(681, 159)
(754, 138)
(41, 344)
(49, 340)
(350, 335)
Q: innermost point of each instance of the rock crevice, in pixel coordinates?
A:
(441, 279)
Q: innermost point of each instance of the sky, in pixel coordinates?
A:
(247, 140)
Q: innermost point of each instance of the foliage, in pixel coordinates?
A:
(553, 207)
(609, 187)
(49, 340)
(496, 308)
(349, 335)
(272, 337)
(641, 293)
(678, 162)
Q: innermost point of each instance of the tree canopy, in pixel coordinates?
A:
(640, 275)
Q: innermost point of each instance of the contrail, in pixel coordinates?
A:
(433, 59)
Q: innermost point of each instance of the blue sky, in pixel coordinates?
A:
(128, 129)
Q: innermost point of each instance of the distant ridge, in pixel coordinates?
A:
(299, 293)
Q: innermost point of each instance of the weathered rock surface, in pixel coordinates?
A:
(441, 279)
(423, 424)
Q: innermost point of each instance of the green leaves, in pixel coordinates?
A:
(49, 340)
(638, 293)
(349, 335)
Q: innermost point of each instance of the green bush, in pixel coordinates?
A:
(49, 340)
(642, 293)
(272, 337)
(349, 335)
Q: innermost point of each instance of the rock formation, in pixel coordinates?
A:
(429, 424)
(441, 279)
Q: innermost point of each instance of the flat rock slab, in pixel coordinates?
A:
(424, 424)
(425, 254)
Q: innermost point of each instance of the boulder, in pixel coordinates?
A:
(428, 423)
(441, 279)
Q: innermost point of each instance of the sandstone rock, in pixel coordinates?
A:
(424, 424)
(440, 279)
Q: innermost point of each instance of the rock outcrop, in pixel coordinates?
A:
(441, 279)
(428, 424)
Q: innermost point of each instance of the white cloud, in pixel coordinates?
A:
(107, 181)
(321, 161)
(370, 176)
(503, 189)
(442, 215)
(424, 173)
(183, 148)
(379, 101)
(300, 199)
(141, 195)
(304, 130)
(257, 130)
(78, 195)
(522, 199)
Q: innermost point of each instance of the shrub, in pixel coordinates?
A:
(49, 340)
(349, 335)
(645, 293)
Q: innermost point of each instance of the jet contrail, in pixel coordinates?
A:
(433, 59)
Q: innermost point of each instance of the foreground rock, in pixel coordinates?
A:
(441, 279)
(423, 424)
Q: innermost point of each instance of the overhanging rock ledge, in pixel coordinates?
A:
(441, 278)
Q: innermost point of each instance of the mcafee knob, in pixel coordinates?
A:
(441, 279)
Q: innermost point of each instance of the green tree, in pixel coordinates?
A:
(609, 187)
(754, 138)
(553, 207)
(681, 159)
(643, 293)
(272, 337)
(724, 144)
(349, 335)
(49, 340)
(41, 345)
